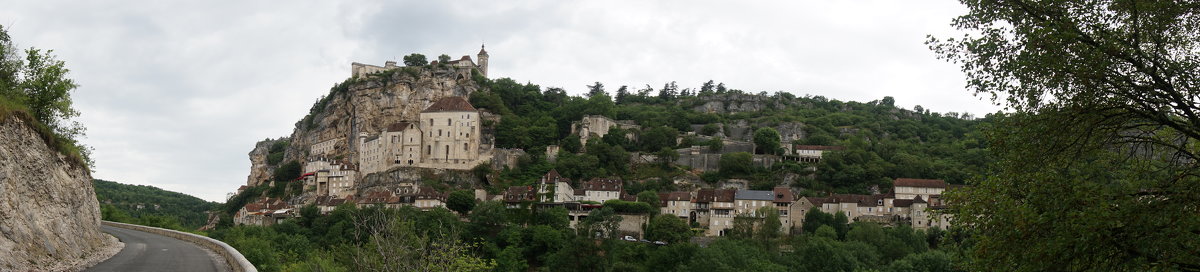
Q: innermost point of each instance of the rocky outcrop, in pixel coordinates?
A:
(368, 104)
(260, 170)
(49, 217)
(735, 103)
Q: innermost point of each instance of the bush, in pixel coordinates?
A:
(622, 206)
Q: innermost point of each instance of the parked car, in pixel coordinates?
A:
(644, 241)
(661, 243)
(629, 238)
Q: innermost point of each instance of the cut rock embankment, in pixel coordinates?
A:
(49, 216)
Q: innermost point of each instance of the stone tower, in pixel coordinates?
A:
(483, 58)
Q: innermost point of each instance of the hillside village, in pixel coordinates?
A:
(449, 134)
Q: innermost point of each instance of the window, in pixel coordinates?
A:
(429, 150)
(447, 121)
(465, 147)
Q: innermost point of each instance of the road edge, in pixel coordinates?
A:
(233, 258)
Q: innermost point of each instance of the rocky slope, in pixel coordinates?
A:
(368, 104)
(49, 217)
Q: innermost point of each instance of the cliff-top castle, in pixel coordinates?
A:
(464, 65)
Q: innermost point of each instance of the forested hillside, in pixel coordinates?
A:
(150, 205)
(882, 141)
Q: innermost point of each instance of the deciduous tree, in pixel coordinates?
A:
(1098, 160)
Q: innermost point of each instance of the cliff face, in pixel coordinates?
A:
(259, 169)
(48, 210)
(369, 105)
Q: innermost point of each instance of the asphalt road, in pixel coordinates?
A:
(146, 251)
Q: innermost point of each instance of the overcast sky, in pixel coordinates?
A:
(176, 93)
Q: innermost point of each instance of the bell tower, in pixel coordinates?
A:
(483, 61)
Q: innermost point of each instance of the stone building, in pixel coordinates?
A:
(907, 188)
(809, 153)
(602, 189)
(464, 65)
(598, 126)
(329, 177)
(912, 202)
(554, 188)
(446, 135)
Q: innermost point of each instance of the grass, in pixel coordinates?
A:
(64, 145)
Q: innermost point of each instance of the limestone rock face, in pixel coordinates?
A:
(735, 103)
(369, 104)
(48, 210)
(259, 170)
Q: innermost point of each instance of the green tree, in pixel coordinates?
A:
(288, 171)
(709, 129)
(769, 230)
(658, 138)
(488, 218)
(442, 59)
(737, 163)
(47, 91)
(668, 228)
(715, 144)
(461, 201)
(743, 226)
(601, 222)
(571, 143)
(932, 261)
(1103, 95)
(666, 158)
(766, 140)
(556, 218)
(415, 59)
(39, 85)
(841, 223)
(649, 197)
(579, 166)
(595, 89)
(815, 218)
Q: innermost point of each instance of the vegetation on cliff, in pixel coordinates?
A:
(882, 141)
(36, 89)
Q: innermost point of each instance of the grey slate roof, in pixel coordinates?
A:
(754, 195)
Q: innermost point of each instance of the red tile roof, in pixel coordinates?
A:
(902, 202)
(427, 192)
(861, 200)
(818, 201)
(783, 195)
(399, 126)
(553, 176)
(724, 195)
(603, 184)
(927, 183)
(451, 103)
(519, 194)
(678, 196)
(704, 196)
